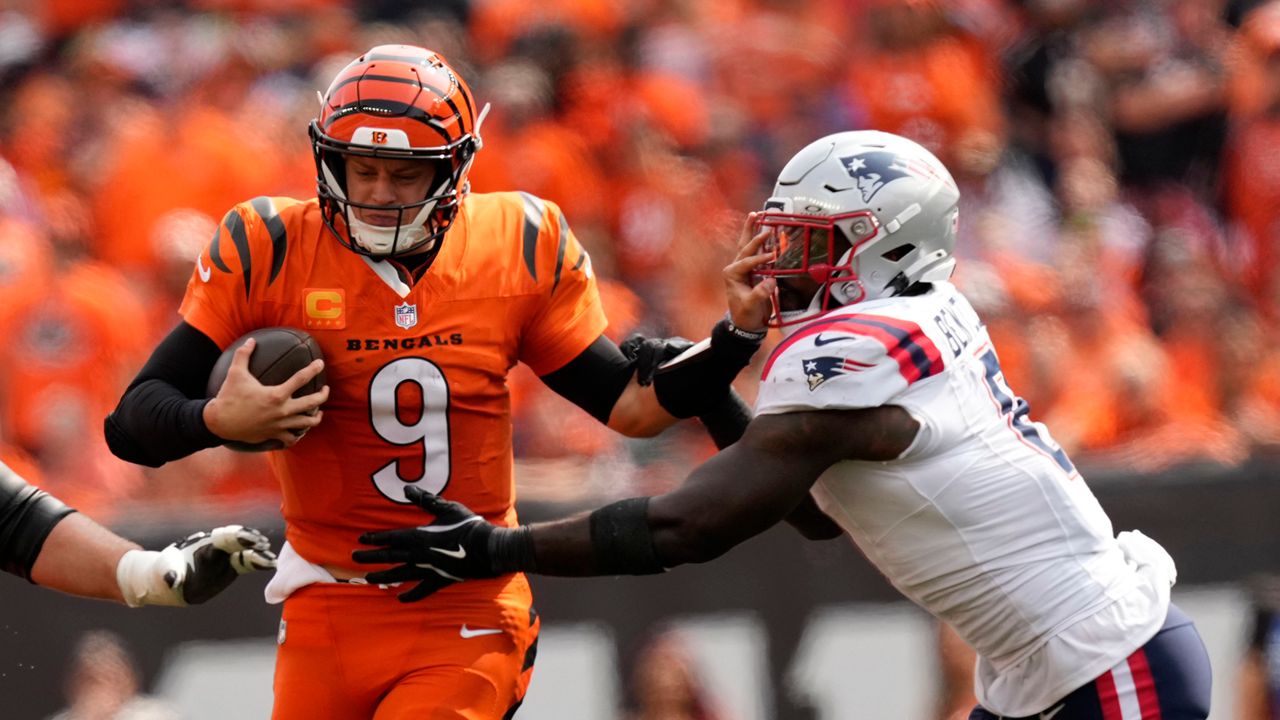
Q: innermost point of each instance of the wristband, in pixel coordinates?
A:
(696, 381)
(621, 541)
(148, 577)
(751, 336)
(511, 550)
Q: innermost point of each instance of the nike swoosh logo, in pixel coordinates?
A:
(468, 633)
(458, 554)
(200, 268)
(1048, 714)
(819, 341)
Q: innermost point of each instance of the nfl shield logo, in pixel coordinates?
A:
(406, 315)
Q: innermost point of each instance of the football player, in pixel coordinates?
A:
(885, 402)
(52, 545)
(422, 297)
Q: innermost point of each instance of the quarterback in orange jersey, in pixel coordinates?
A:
(422, 298)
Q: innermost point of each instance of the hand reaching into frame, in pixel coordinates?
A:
(455, 546)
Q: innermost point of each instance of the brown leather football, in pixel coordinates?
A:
(280, 352)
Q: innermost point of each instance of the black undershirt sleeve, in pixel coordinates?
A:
(160, 417)
(595, 379)
(27, 516)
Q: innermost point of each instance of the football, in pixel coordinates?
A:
(280, 352)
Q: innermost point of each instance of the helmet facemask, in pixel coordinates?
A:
(419, 224)
(803, 247)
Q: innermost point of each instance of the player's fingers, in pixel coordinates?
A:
(400, 573)
(238, 373)
(754, 242)
(446, 511)
(400, 537)
(382, 556)
(287, 438)
(749, 229)
(427, 587)
(764, 289)
(743, 266)
(252, 538)
(240, 359)
(299, 423)
(246, 561)
(299, 379)
(307, 404)
(230, 538)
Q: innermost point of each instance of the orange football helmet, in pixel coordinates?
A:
(402, 102)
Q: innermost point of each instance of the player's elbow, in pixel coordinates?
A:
(122, 444)
(635, 427)
(637, 414)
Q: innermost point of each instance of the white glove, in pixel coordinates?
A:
(193, 570)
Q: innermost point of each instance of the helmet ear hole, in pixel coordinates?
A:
(898, 253)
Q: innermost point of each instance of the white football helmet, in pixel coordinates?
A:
(865, 214)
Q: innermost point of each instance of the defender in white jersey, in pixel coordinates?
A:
(885, 404)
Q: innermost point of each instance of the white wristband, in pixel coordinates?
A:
(143, 576)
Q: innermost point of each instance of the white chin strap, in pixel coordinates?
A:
(381, 240)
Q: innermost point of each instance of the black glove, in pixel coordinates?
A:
(698, 381)
(648, 353)
(457, 545)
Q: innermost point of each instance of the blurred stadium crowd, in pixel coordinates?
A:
(1119, 162)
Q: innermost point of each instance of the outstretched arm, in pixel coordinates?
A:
(644, 386)
(50, 544)
(80, 557)
(735, 495)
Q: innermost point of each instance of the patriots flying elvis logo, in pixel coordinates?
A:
(821, 369)
(873, 170)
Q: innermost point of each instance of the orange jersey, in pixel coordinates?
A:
(417, 374)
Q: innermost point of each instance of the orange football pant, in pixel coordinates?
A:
(354, 652)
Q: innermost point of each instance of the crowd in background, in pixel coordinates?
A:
(1119, 163)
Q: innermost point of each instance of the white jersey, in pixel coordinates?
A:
(983, 520)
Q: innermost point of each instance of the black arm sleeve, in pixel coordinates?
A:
(27, 516)
(160, 417)
(595, 379)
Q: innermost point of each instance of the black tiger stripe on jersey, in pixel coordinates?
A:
(279, 235)
(533, 209)
(564, 239)
(235, 225)
(215, 251)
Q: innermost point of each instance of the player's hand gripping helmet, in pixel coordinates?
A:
(865, 215)
(401, 102)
